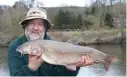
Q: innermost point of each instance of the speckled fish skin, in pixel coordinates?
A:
(63, 53)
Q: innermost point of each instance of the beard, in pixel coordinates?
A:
(33, 36)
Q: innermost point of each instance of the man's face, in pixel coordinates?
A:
(35, 29)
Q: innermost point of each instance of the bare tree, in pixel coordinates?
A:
(29, 3)
(122, 19)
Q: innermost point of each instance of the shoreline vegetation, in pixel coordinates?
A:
(98, 23)
(109, 36)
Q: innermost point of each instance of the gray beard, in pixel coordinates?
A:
(31, 37)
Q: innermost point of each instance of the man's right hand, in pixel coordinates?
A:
(35, 62)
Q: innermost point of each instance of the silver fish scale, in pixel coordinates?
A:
(65, 47)
(64, 53)
(62, 58)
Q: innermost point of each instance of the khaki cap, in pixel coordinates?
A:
(35, 13)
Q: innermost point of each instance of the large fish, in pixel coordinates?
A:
(63, 53)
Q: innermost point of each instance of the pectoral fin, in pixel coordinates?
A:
(71, 67)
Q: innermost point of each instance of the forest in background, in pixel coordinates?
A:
(101, 14)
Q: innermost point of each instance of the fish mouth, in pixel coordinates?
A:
(19, 49)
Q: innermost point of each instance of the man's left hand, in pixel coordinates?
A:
(85, 60)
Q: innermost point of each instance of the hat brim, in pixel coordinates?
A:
(23, 22)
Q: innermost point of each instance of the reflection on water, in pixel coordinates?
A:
(3, 62)
(116, 69)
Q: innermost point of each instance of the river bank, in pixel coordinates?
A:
(111, 36)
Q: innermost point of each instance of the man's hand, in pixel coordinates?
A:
(85, 60)
(35, 61)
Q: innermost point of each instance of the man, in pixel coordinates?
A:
(35, 27)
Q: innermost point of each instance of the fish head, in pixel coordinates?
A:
(24, 48)
(32, 48)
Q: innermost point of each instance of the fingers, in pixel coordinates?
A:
(35, 57)
(78, 64)
(89, 60)
(85, 60)
(37, 53)
(81, 62)
(34, 62)
(39, 59)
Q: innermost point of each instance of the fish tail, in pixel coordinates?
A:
(109, 59)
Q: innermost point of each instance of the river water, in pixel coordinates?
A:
(116, 69)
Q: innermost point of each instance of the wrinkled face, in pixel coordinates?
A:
(30, 48)
(35, 29)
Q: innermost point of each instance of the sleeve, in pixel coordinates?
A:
(63, 71)
(67, 72)
(16, 64)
